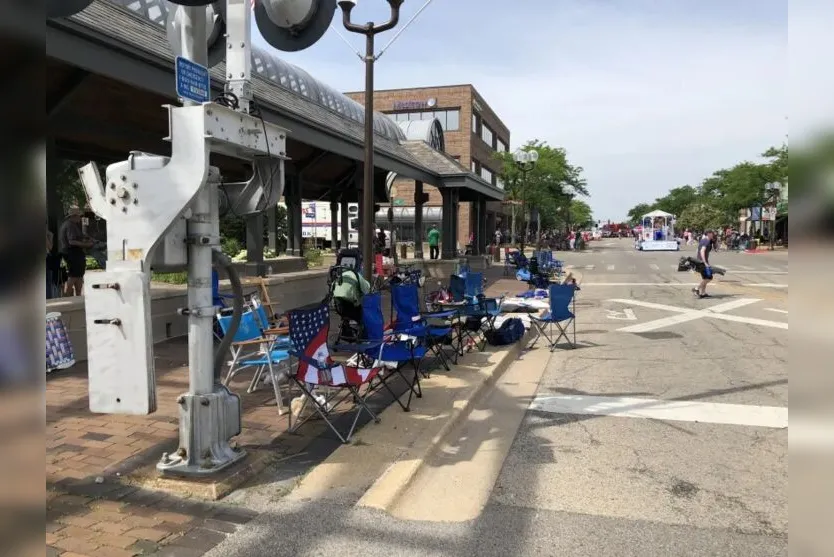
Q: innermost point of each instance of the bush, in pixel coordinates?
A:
(170, 278)
(314, 257)
(230, 246)
(92, 264)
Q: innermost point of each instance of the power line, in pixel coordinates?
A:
(347, 42)
(403, 28)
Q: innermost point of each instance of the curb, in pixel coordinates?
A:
(393, 482)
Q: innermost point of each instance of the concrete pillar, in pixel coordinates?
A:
(344, 222)
(481, 234)
(292, 197)
(418, 220)
(271, 229)
(449, 227)
(334, 222)
(255, 244)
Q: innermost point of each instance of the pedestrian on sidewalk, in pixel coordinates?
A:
(434, 242)
(704, 249)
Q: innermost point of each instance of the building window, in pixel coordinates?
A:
(476, 120)
(499, 183)
(501, 146)
(474, 165)
(487, 135)
(449, 119)
(452, 120)
(486, 174)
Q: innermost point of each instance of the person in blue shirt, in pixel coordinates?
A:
(704, 249)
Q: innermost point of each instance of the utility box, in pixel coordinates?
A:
(120, 343)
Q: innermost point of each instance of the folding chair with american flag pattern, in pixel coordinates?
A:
(309, 327)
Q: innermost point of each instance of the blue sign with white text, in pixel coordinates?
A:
(193, 82)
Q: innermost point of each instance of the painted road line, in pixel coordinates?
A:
(610, 268)
(671, 410)
(777, 310)
(654, 267)
(770, 268)
(688, 314)
(687, 284)
(757, 272)
(745, 268)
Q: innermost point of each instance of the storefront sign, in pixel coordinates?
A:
(415, 105)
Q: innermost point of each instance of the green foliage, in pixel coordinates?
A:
(546, 185)
(717, 201)
(701, 216)
(314, 257)
(92, 264)
(230, 246)
(170, 278)
(580, 213)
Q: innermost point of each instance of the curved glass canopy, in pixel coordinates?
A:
(284, 75)
(430, 131)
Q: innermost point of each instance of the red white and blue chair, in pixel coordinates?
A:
(561, 317)
(324, 382)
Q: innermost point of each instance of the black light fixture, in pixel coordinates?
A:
(293, 25)
(65, 8)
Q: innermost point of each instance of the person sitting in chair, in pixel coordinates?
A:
(347, 294)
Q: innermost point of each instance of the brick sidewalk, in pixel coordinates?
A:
(115, 517)
(96, 508)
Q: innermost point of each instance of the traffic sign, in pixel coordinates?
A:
(193, 81)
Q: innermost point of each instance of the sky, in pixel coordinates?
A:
(644, 95)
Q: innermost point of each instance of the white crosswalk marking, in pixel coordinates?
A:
(590, 267)
(654, 267)
(610, 268)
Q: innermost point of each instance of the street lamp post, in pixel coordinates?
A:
(773, 190)
(525, 161)
(369, 30)
(569, 193)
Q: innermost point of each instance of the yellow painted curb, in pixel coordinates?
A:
(398, 476)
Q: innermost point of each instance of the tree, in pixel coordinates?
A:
(581, 214)
(637, 212)
(701, 216)
(545, 186)
(677, 200)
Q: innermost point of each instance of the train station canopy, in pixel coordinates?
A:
(110, 68)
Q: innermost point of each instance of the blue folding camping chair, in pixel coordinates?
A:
(561, 316)
(398, 348)
(250, 348)
(405, 300)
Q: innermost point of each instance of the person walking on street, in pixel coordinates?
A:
(434, 242)
(72, 243)
(704, 249)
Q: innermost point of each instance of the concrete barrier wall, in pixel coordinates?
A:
(287, 291)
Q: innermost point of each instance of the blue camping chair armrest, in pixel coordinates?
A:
(312, 362)
(360, 347)
(439, 314)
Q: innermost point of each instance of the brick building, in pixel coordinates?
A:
(472, 133)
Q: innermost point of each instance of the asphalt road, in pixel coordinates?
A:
(668, 438)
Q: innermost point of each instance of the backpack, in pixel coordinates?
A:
(509, 332)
